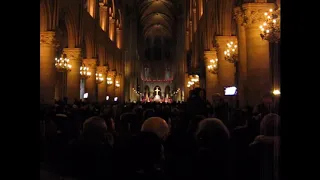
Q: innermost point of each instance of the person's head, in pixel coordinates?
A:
(216, 98)
(267, 99)
(270, 125)
(157, 126)
(95, 129)
(212, 132)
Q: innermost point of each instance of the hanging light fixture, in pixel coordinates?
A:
(62, 64)
(109, 80)
(213, 66)
(231, 53)
(84, 72)
(270, 28)
(117, 84)
(99, 78)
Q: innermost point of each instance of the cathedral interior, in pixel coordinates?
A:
(137, 50)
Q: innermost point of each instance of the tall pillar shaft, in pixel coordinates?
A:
(212, 84)
(91, 81)
(111, 87)
(187, 41)
(102, 87)
(73, 77)
(111, 28)
(242, 61)
(191, 32)
(104, 17)
(47, 67)
(226, 71)
(258, 62)
(119, 38)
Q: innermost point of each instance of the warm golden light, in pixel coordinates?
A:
(270, 28)
(213, 66)
(109, 80)
(117, 84)
(231, 52)
(62, 64)
(99, 78)
(84, 72)
(276, 92)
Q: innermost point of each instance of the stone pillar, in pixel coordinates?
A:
(73, 77)
(212, 84)
(186, 88)
(91, 81)
(104, 17)
(119, 38)
(242, 61)
(47, 68)
(187, 41)
(112, 23)
(191, 32)
(226, 71)
(111, 87)
(258, 61)
(194, 19)
(102, 87)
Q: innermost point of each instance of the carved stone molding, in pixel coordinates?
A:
(90, 63)
(210, 55)
(48, 38)
(221, 41)
(112, 73)
(238, 15)
(254, 13)
(102, 69)
(73, 53)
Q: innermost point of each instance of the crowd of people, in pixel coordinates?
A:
(194, 139)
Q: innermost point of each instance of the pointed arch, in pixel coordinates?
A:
(43, 16)
(89, 45)
(73, 31)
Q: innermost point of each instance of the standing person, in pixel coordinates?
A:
(265, 107)
(220, 108)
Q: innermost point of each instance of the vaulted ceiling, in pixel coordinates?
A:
(156, 17)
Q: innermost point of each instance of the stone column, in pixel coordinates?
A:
(226, 71)
(112, 23)
(258, 61)
(111, 87)
(191, 32)
(104, 17)
(212, 84)
(242, 61)
(119, 38)
(73, 77)
(187, 41)
(48, 46)
(91, 81)
(102, 87)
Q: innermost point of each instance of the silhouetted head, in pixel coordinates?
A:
(270, 125)
(157, 126)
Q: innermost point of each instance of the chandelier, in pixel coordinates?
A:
(190, 83)
(84, 72)
(231, 54)
(117, 84)
(99, 78)
(109, 80)
(62, 64)
(213, 66)
(270, 28)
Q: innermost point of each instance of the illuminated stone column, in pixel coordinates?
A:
(242, 55)
(111, 87)
(226, 71)
(47, 68)
(73, 77)
(102, 87)
(212, 84)
(91, 81)
(112, 23)
(191, 32)
(117, 90)
(104, 20)
(194, 19)
(119, 38)
(258, 60)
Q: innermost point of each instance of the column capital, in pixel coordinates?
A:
(103, 6)
(238, 15)
(112, 73)
(48, 38)
(212, 54)
(254, 13)
(73, 53)
(102, 69)
(111, 19)
(223, 40)
(91, 63)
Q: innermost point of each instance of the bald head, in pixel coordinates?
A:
(94, 124)
(156, 125)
